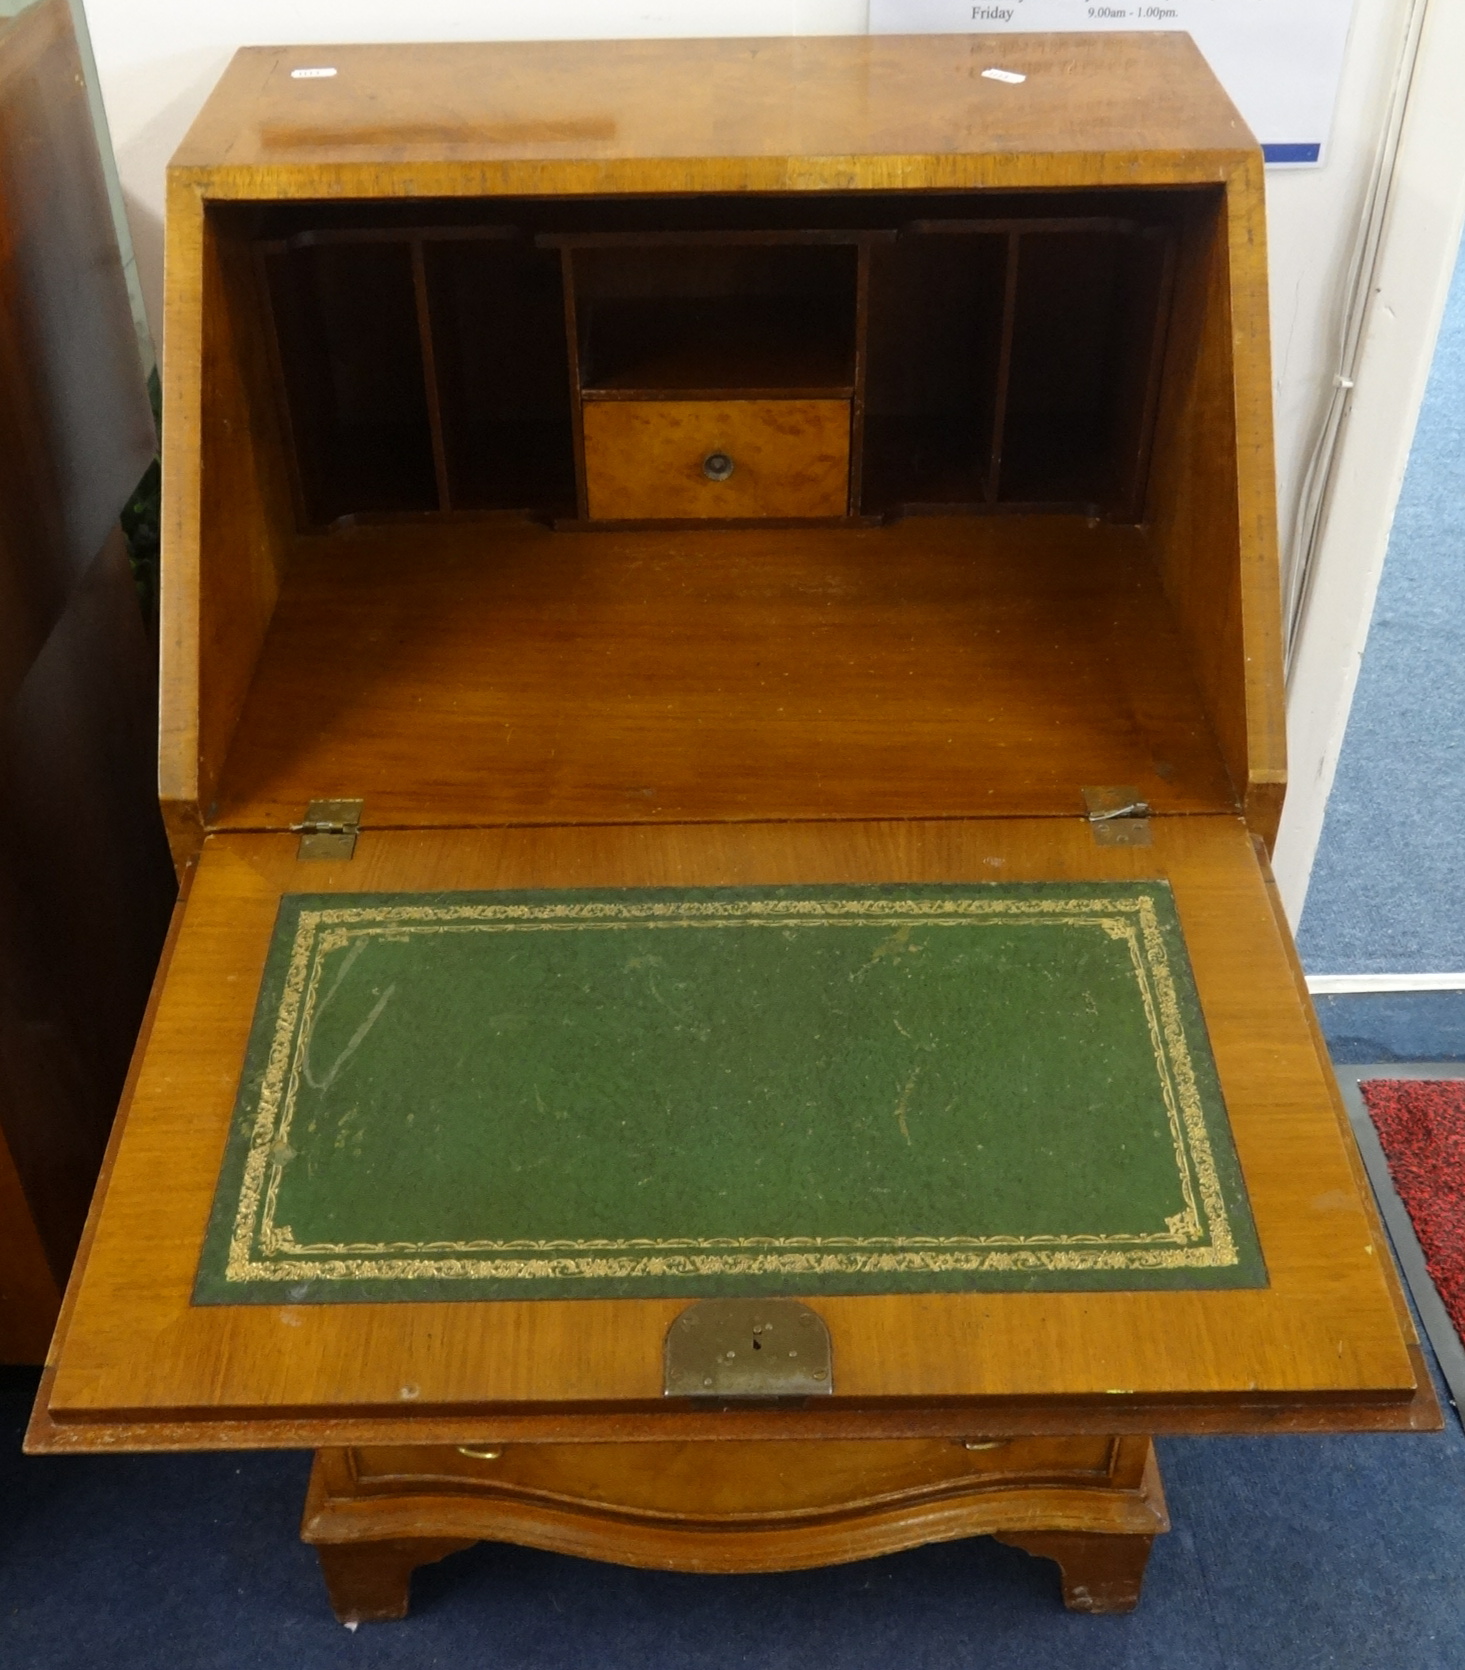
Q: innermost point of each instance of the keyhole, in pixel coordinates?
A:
(757, 1344)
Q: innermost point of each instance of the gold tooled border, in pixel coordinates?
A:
(261, 1249)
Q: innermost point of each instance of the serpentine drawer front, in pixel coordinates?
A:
(717, 459)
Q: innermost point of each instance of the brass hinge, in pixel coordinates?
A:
(1117, 816)
(330, 829)
(748, 1348)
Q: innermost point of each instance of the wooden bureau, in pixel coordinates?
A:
(703, 464)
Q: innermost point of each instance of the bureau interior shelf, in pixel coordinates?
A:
(993, 350)
(456, 673)
(469, 396)
(709, 314)
(743, 345)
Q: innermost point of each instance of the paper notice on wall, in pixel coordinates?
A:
(1280, 60)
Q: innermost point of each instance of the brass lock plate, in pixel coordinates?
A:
(748, 1348)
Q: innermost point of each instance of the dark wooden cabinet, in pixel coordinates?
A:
(85, 884)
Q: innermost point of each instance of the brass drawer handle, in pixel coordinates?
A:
(488, 1452)
(717, 466)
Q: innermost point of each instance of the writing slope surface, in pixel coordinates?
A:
(645, 1093)
(137, 1353)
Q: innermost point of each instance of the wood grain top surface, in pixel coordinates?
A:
(1325, 1334)
(837, 110)
(480, 673)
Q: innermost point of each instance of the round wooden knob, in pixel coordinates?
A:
(717, 466)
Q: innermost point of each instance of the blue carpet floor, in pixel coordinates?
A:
(1393, 1026)
(1386, 893)
(1287, 1553)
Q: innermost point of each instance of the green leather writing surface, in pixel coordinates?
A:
(802, 1090)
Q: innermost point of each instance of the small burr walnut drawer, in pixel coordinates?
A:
(718, 459)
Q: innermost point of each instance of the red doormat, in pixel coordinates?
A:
(1421, 1126)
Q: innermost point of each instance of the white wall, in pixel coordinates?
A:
(158, 59)
(1417, 259)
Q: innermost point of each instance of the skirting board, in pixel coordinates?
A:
(1339, 985)
(1432, 1313)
